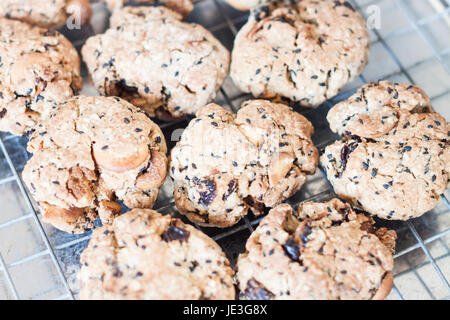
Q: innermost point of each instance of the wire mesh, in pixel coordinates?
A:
(40, 262)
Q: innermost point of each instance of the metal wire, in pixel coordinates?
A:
(231, 25)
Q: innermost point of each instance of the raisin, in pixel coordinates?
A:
(207, 197)
(254, 291)
(305, 233)
(292, 249)
(231, 188)
(173, 233)
(345, 153)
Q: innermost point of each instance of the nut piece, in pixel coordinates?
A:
(279, 166)
(156, 172)
(108, 210)
(385, 287)
(120, 162)
(70, 220)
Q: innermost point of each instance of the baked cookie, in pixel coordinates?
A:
(394, 158)
(90, 152)
(145, 255)
(305, 52)
(184, 7)
(38, 69)
(46, 13)
(166, 67)
(226, 164)
(325, 252)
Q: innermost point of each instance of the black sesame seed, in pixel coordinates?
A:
(374, 172)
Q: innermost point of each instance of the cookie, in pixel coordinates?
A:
(184, 7)
(38, 69)
(145, 255)
(46, 13)
(149, 57)
(89, 153)
(324, 252)
(394, 158)
(305, 52)
(226, 164)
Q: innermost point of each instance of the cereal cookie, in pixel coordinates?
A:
(164, 66)
(325, 252)
(144, 255)
(38, 69)
(184, 7)
(46, 13)
(305, 52)
(90, 152)
(394, 158)
(226, 164)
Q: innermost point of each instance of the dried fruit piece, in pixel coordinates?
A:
(254, 291)
(292, 249)
(173, 233)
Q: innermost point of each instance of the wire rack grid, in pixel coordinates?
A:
(40, 262)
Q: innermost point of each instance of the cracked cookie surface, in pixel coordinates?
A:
(38, 70)
(46, 13)
(394, 159)
(305, 52)
(90, 152)
(326, 251)
(149, 57)
(184, 7)
(145, 255)
(226, 164)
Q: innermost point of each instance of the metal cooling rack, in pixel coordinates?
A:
(412, 45)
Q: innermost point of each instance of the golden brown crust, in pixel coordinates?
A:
(326, 251)
(306, 51)
(90, 152)
(226, 164)
(393, 160)
(184, 63)
(145, 255)
(38, 70)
